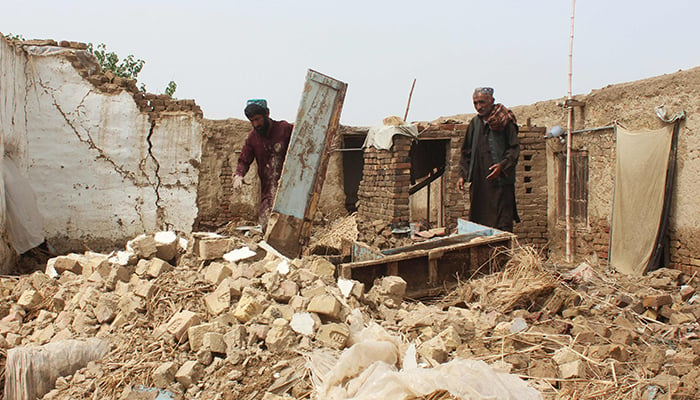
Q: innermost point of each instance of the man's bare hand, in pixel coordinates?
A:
(237, 181)
(460, 184)
(495, 171)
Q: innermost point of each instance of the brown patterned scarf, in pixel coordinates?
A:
(499, 117)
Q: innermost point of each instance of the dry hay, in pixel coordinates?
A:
(523, 283)
(344, 229)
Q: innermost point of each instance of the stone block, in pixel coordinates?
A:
(322, 267)
(285, 291)
(195, 334)
(235, 338)
(67, 263)
(166, 245)
(325, 304)
(333, 335)
(213, 248)
(280, 337)
(564, 355)
(251, 304)
(451, 338)
(105, 310)
(30, 299)
(145, 289)
(657, 300)
(434, 349)
(181, 322)
(164, 375)
(143, 246)
(678, 318)
(157, 267)
(219, 300)
(573, 369)
(216, 272)
(214, 342)
(393, 285)
(315, 290)
(189, 374)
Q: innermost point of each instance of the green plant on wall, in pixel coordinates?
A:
(170, 89)
(129, 67)
(10, 36)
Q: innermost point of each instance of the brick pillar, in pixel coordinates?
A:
(386, 176)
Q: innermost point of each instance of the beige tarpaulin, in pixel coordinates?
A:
(640, 178)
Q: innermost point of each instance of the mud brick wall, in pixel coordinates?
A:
(386, 176)
(217, 202)
(531, 187)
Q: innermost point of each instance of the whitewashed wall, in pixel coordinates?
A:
(102, 172)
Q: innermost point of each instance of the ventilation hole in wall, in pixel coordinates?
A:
(528, 167)
(528, 179)
(528, 190)
(527, 157)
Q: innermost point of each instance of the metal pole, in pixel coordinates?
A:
(570, 126)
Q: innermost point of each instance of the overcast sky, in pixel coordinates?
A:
(222, 53)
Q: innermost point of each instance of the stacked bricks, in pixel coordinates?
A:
(531, 187)
(217, 202)
(107, 82)
(386, 176)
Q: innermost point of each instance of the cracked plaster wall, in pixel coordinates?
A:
(102, 171)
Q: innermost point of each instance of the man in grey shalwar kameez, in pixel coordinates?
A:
(489, 155)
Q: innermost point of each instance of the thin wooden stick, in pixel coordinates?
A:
(410, 94)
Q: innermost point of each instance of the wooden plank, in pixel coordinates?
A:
(305, 166)
(430, 271)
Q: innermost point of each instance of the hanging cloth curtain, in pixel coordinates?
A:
(640, 179)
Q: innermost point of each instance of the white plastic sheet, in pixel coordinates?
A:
(25, 226)
(369, 370)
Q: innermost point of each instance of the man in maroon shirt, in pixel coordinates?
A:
(267, 144)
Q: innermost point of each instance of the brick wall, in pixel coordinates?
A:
(531, 187)
(217, 202)
(386, 176)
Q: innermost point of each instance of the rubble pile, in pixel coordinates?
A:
(220, 317)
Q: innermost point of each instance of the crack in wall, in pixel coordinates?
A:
(87, 139)
(160, 211)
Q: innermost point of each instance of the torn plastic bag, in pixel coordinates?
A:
(25, 226)
(369, 369)
(31, 371)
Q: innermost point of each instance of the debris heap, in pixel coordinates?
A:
(220, 317)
